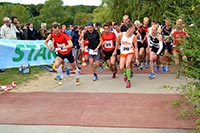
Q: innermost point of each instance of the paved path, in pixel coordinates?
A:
(140, 84)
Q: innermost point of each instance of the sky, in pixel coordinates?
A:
(66, 2)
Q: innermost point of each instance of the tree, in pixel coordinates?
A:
(53, 10)
(138, 9)
(18, 10)
(102, 14)
(82, 18)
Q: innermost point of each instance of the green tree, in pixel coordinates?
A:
(32, 9)
(82, 18)
(81, 8)
(102, 14)
(53, 10)
(138, 9)
(74, 14)
(15, 10)
(191, 48)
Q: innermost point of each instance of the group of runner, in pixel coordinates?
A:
(125, 44)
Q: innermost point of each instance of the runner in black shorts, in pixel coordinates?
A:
(141, 35)
(117, 32)
(156, 45)
(109, 49)
(167, 41)
(63, 46)
(93, 39)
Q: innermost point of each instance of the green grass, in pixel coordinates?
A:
(11, 75)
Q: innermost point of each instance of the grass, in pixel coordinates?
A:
(11, 75)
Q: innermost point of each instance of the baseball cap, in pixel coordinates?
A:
(90, 24)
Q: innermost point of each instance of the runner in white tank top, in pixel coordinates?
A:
(129, 50)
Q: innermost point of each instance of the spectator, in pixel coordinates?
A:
(23, 31)
(7, 30)
(15, 24)
(32, 32)
(43, 31)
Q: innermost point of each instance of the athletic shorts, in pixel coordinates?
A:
(140, 45)
(96, 57)
(155, 50)
(108, 54)
(125, 55)
(118, 51)
(68, 56)
(168, 46)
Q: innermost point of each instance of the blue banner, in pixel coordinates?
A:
(14, 53)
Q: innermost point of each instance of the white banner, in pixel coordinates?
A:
(14, 53)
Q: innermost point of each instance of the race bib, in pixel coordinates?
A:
(92, 52)
(108, 44)
(86, 49)
(126, 48)
(60, 47)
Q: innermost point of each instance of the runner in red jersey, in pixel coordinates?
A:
(63, 46)
(145, 27)
(84, 47)
(178, 36)
(109, 49)
(85, 44)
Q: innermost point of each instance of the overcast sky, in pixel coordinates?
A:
(66, 2)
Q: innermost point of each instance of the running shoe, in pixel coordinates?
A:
(78, 81)
(68, 72)
(128, 84)
(60, 82)
(131, 74)
(114, 75)
(140, 67)
(101, 68)
(164, 69)
(106, 66)
(152, 75)
(57, 78)
(157, 69)
(167, 68)
(125, 78)
(95, 77)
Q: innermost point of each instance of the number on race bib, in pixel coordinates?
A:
(108, 44)
(60, 47)
(126, 49)
(92, 52)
